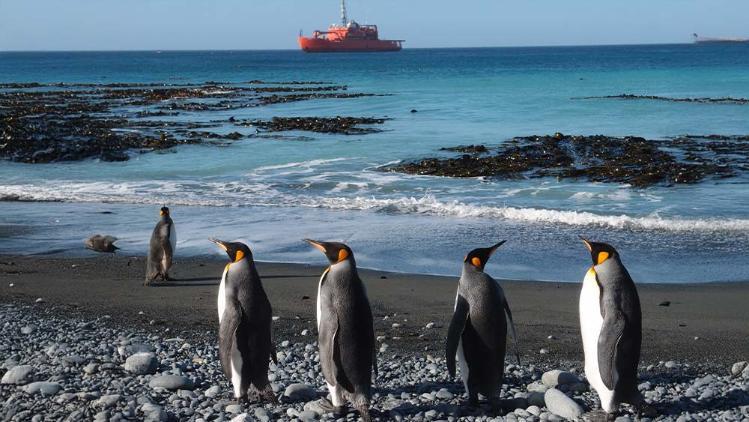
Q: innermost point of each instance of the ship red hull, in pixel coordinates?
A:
(318, 45)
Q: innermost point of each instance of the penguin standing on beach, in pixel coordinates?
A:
(245, 318)
(345, 331)
(611, 328)
(161, 249)
(479, 328)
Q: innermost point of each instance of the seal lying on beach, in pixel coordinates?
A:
(99, 243)
(479, 328)
(162, 247)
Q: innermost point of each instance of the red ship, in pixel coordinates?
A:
(349, 36)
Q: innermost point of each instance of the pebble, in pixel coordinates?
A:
(233, 408)
(27, 329)
(142, 363)
(556, 377)
(171, 382)
(42, 387)
(670, 364)
(212, 392)
(738, 367)
(558, 403)
(107, 401)
(262, 415)
(19, 375)
(544, 351)
(300, 392)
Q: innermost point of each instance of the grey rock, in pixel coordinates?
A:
(670, 364)
(444, 394)
(171, 382)
(300, 392)
(262, 415)
(27, 329)
(212, 392)
(737, 368)
(91, 368)
(244, 417)
(307, 416)
(107, 401)
(42, 387)
(559, 404)
(19, 375)
(233, 408)
(154, 413)
(534, 410)
(314, 406)
(536, 398)
(142, 363)
(707, 394)
(556, 377)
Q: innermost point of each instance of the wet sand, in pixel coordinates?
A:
(715, 314)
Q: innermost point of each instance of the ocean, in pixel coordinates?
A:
(272, 193)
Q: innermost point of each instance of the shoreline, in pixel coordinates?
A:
(714, 313)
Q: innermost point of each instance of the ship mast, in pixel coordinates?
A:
(344, 18)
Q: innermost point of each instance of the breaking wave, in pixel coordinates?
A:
(221, 194)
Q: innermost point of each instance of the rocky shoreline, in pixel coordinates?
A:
(636, 161)
(66, 368)
(43, 123)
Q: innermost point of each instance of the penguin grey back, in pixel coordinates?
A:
(620, 340)
(161, 248)
(245, 338)
(346, 329)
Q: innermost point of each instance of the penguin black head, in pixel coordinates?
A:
(479, 257)
(335, 251)
(237, 251)
(599, 252)
(164, 211)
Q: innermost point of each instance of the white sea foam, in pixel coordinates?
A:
(263, 194)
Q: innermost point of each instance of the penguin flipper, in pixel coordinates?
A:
(608, 341)
(511, 330)
(455, 332)
(227, 334)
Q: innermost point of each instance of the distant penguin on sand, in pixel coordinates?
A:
(345, 331)
(478, 332)
(161, 248)
(99, 243)
(611, 328)
(245, 317)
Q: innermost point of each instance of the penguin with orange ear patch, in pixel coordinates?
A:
(479, 328)
(611, 328)
(345, 331)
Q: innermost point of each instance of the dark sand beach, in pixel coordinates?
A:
(703, 323)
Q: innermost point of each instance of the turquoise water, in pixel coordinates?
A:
(271, 193)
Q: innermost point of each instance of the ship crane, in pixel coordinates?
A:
(344, 17)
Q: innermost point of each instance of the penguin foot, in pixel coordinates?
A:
(364, 413)
(646, 410)
(328, 407)
(600, 416)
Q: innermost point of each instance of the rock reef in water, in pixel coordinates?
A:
(43, 123)
(702, 100)
(632, 160)
(340, 125)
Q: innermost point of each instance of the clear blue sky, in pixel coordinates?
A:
(273, 24)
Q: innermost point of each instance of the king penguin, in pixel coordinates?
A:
(611, 328)
(245, 342)
(161, 248)
(479, 328)
(345, 330)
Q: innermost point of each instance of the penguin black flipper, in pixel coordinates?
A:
(612, 330)
(511, 330)
(227, 335)
(273, 352)
(455, 332)
(329, 350)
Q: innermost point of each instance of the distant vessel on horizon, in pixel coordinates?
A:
(349, 36)
(708, 40)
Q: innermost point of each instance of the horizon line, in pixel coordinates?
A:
(297, 49)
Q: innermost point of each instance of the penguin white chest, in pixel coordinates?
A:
(591, 322)
(319, 305)
(221, 300)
